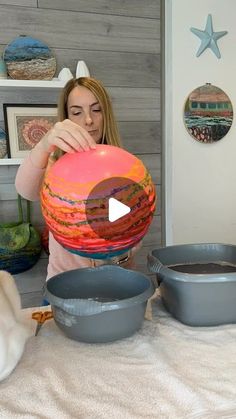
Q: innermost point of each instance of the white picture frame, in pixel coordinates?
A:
(25, 125)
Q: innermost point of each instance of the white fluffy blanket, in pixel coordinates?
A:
(166, 370)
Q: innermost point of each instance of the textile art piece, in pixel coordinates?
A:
(27, 58)
(208, 114)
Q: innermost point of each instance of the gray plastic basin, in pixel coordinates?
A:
(99, 304)
(196, 299)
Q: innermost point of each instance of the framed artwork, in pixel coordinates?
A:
(3, 144)
(25, 125)
(208, 113)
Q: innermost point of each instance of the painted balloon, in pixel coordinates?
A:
(75, 201)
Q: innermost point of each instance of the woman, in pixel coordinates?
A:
(85, 118)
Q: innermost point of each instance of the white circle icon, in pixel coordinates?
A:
(116, 209)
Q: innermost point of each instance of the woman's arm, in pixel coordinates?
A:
(29, 179)
(66, 136)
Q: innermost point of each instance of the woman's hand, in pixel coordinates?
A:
(68, 137)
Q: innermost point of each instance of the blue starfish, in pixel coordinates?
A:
(208, 38)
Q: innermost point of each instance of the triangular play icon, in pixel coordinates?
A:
(116, 209)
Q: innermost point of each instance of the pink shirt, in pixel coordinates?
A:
(28, 184)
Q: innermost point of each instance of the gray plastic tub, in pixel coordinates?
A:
(197, 299)
(99, 304)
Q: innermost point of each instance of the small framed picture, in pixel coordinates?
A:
(25, 125)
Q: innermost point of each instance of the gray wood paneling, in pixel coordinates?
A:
(149, 8)
(7, 192)
(153, 164)
(120, 43)
(27, 96)
(114, 68)
(158, 202)
(140, 137)
(87, 31)
(7, 174)
(153, 237)
(29, 3)
(136, 104)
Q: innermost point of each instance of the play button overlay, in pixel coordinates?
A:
(113, 207)
(116, 210)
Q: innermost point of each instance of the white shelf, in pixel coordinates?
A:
(42, 84)
(10, 162)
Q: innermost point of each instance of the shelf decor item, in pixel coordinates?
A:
(27, 58)
(20, 243)
(3, 144)
(82, 70)
(25, 126)
(65, 74)
(208, 113)
(208, 38)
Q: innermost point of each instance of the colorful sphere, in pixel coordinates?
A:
(75, 196)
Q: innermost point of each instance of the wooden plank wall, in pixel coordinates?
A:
(120, 43)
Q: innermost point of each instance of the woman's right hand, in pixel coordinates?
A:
(68, 137)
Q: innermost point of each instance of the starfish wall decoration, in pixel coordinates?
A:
(208, 38)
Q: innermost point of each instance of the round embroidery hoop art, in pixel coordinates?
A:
(208, 114)
(28, 58)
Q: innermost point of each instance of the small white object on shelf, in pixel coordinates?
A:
(82, 70)
(65, 74)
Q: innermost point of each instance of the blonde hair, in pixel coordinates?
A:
(110, 133)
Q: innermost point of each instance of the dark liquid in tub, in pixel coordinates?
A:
(203, 268)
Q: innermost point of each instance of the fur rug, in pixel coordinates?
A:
(13, 331)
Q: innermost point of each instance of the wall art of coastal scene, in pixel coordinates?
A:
(208, 113)
(27, 58)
